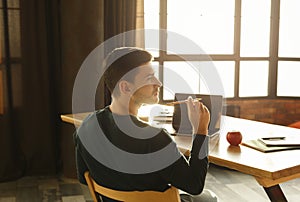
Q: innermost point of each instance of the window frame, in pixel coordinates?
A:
(235, 57)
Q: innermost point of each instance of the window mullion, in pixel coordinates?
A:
(162, 41)
(237, 45)
(274, 41)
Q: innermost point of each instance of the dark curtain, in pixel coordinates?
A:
(12, 157)
(116, 16)
(81, 32)
(40, 45)
(119, 17)
(56, 37)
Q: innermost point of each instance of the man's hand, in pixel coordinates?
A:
(199, 116)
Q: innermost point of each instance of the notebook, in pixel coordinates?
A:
(258, 145)
(281, 141)
(180, 121)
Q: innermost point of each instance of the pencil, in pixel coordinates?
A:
(181, 101)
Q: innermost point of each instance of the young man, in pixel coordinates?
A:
(124, 153)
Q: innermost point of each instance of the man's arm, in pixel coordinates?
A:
(190, 176)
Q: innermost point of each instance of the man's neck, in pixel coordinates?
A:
(123, 108)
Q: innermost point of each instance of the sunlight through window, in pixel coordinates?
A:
(288, 78)
(255, 27)
(208, 25)
(289, 31)
(254, 78)
(236, 35)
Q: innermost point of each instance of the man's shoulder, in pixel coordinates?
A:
(98, 113)
(104, 110)
(94, 117)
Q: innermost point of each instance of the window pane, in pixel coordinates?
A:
(14, 33)
(179, 77)
(151, 20)
(289, 32)
(255, 27)
(226, 73)
(13, 4)
(288, 81)
(208, 23)
(253, 78)
(198, 77)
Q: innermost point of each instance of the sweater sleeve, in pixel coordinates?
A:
(189, 175)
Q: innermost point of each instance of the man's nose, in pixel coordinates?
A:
(157, 82)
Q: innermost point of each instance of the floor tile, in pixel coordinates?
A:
(7, 199)
(73, 199)
(70, 189)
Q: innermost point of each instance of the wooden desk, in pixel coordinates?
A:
(269, 169)
(75, 119)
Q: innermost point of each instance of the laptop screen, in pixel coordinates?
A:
(181, 122)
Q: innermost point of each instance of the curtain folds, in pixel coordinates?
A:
(56, 37)
(81, 32)
(121, 16)
(40, 70)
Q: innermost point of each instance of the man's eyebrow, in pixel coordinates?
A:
(150, 74)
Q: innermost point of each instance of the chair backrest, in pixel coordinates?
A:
(170, 195)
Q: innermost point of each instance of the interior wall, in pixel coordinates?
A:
(276, 111)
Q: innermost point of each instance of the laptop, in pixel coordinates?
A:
(180, 121)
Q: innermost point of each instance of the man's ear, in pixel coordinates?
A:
(124, 87)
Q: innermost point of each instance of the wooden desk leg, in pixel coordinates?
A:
(275, 193)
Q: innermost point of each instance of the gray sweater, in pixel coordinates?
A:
(124, 153)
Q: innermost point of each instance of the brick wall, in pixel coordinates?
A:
(279, 111)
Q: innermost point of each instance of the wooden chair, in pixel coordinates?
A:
(170, 195)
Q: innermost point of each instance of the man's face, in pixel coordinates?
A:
(146, 86)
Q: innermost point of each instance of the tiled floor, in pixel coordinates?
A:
(44, 189)
(229, 185)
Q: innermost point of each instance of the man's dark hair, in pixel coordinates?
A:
(121, 61)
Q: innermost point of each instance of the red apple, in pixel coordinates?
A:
(234, 138)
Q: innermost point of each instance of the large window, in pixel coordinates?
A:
(253, 46)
